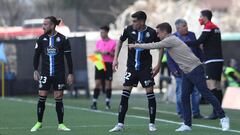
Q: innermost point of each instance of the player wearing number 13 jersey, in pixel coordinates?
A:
(52, 47)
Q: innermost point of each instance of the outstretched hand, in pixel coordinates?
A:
(130, 46)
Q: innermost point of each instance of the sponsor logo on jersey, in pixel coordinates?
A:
(51, 51)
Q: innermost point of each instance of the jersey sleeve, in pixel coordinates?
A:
(202, 39)
(38, 51)
(124, 36)
(66, 46)
(68, 55)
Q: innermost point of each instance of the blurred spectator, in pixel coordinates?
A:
(213, 58)
(10, 79)
(232, 74)
(164, 77)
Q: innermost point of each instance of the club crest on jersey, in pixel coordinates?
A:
(147, 35)
(58, 39)
(51, 51)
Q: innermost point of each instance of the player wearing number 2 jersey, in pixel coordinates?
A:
(139, 67)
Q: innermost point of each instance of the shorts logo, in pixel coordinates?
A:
(61, 86)
(147, 82)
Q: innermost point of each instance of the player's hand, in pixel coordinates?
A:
(130, 46)
(70, 79)
(155, 71)
(176, 74)
(115, 65)
(36, 75)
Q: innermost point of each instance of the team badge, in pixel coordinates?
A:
(147, 35)
(58, 39)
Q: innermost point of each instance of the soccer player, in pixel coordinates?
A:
(193, 74)
(52, 47)
(106, 47)
(139, 67)
(213, 58)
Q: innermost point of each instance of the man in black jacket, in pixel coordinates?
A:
(213, 58)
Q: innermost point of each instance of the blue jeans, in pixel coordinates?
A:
(196, 78)
(195, 98)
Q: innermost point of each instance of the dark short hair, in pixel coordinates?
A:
(140, 15)
(53, 19)
(105, 28)
(165, 27)
(207, 13)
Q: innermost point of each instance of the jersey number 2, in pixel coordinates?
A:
(127, 75)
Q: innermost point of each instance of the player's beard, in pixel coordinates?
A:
(48, 31)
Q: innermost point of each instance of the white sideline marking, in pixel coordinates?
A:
(72, 126)
(164, 112)
(111, 113)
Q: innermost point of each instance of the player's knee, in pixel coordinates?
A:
(129, 88)
(58, 95)
(149, 89)
(42, 93)
(211, 84)
(98, 84)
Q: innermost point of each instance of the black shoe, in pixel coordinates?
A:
(94, 107)
(198, 116)
(212, 117)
